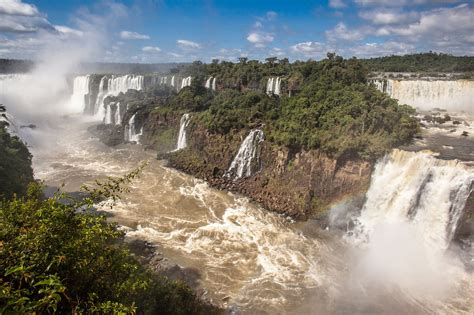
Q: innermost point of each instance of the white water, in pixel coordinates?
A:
(130, 132)
(186, 82)
(211, 83)
(274, 86)
(118, 116)
(247, 157)
(81, 89)
(108, 114)
(108, 86)
(418, 189)
(450, 95)
(181, 144)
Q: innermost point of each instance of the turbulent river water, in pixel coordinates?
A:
(251, 260)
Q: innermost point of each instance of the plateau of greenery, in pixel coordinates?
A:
(324, 105)
(424, 62)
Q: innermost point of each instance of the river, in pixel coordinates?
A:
(250, 260)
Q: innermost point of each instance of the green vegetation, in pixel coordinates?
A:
(331, 108)
(15, 164)
(60, 257)
(425, 62)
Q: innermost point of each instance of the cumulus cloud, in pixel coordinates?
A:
(260, 39)
(395, 3)
(449, 29)
(309, 49)
(16, 7)
(271, 15)
(187, 44)
(151, 49)
(381, 49)
(385, 17)
(341, 32)
(337, 4)
(133, 35)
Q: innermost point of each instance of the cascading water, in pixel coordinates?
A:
(274, 86)
(173, 84)
(118, 117)
(108, 114)
(248, 156)
(131, 134)
(186, 82)
(208, 83)
(80, 90)
(211, 83)
(451, 95)
(185, 119)
(416, 188)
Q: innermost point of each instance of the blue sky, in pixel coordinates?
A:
(166, 31)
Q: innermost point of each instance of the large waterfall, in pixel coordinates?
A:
(211, 83)
(186, 82)
(118, 115)
(109, 85)
(248, 156)
(452, 95)
(273, 86)
(130, 131)
(416, 188)
(81, 89)
(185, 119)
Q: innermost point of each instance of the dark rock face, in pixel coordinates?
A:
(299, 184)
(108, 134)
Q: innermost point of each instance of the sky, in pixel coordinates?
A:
(150, 31)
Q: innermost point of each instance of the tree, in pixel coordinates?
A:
(56, 258)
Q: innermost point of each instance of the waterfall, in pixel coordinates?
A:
(186, 82)
(131, 134)
(452, 95)
(208, 83)
(247, 157)
(420, 190)
(113, 86)
(273, 86)
(173, 82)
(213, 85)
(108, 114)
(80, 90)
(185, 119)
(118, 117)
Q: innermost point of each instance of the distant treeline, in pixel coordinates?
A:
(424, 62)
(15, 65)
(21, 66)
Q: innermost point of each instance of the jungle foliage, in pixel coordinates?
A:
(331, 107)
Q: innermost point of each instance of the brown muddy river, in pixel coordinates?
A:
(250, 260)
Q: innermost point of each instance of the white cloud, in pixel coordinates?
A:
(385, 17)
(396, 3)
(187, 44)
(271, 15)
(341, 32)
(337, 4)
(151, 49)
(260, 39)
(382, 49)
(309, 48)
(133, 35)
(68, 31)
(16, 7)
